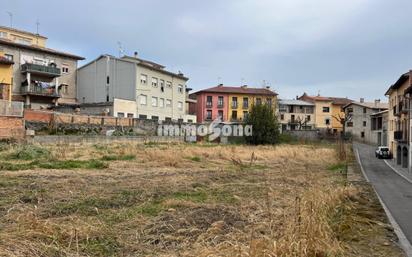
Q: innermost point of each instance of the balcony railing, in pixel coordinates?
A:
(234, 105)
(40, 91)
(209, 104)
(49, 71)
(219, 105)
(245, 106)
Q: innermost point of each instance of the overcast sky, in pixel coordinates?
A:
(353, 48)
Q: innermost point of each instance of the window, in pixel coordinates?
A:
(245, 114)
(234, 115)
(327, 121)
(168, 119)
(209, 101)
(282, 117)
(364, 123)
(258, 101)
(130, 115)
(120, 114)
(3, 34)
(168, 103)
(143, 78)
(168, 84)
(65, 69)
(180, 89)
(64, 89)
(154, 101)
(220, 101)
(189, 121)
(350, 124)
(154, 82)
(325, 109)
(234, 102)
(155, 117)
(209, 114)
(362, 134)
(349, 110)
(245, 103)
(220, 114)
(162, 85)
(9, 57)
(161, 102)
(143, 99)
(307, 117)
(180, 105)
(23, 41)
(108, 80)
(364, 110)
(141, 116)
(269, 101)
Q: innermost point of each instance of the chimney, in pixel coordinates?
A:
(377, 101)
(135, 54)
(362, 100)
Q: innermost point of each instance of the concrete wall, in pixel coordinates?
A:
(105, 79)
(103, 139)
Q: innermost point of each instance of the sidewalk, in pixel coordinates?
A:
(403, 172)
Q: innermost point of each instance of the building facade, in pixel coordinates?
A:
(399, 120)
(379, 122)
(157, 93)
(296, 115)
(42, 77)
(329, 114)
(6, 77)
(360, 123)
(231, 104)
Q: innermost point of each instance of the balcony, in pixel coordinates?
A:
(245, 106)
(209, 104)
(47, 71)
(39, 91)
(234, 105)
(219, 105)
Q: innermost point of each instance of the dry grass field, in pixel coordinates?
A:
(185, 200)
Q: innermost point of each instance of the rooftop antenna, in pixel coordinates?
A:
(318, 92)
(11, 19)
(37, 30)
(242, 81)
(219, 80)
(121, 51)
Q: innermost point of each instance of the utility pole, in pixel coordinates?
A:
(37, 31)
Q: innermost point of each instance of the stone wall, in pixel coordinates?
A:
(306, 135)
(52, 139)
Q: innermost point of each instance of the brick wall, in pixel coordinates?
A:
(11, 127)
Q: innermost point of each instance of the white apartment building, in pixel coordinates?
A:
(152, 92)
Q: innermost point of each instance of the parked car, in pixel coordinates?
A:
(383, 153)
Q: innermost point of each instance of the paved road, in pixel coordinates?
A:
(395, 191)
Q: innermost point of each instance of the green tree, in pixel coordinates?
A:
(265, 127)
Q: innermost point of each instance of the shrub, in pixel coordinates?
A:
(29, 152)
(264, 124)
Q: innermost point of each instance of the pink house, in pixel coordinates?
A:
(211, 105)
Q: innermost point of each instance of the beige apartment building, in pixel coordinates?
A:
(42, 77)
(296, 115)
(143, 89)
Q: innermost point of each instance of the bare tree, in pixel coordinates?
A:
(343, 119)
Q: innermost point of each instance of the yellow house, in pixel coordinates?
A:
(241, 100)
(398, 119)
(328, 111)
(6, 77)
(22, 37)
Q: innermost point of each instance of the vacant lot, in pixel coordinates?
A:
(185, 200)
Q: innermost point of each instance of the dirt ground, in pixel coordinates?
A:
(186, 200)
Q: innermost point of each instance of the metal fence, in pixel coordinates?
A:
(14, 109)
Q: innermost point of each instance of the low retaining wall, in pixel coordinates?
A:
(307, 135)
(103, 139)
